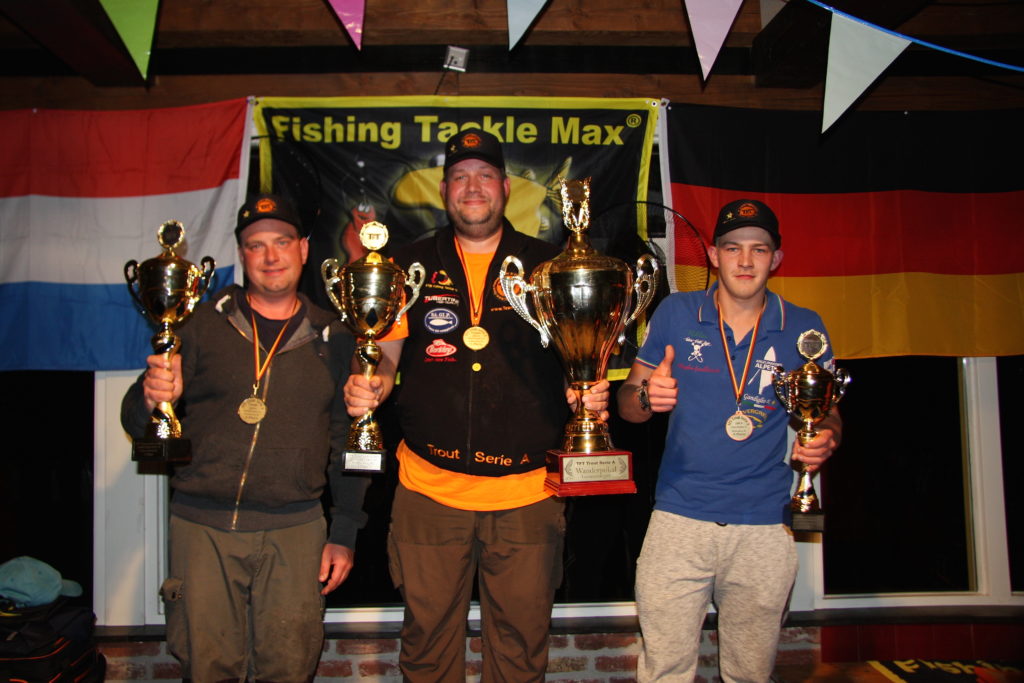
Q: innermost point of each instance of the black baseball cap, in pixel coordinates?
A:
(474, 143)
(744, 212)
(260, 206)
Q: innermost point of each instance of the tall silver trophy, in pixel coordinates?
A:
(583, 301)
(808, 394)
(167, 289)
(368, 296)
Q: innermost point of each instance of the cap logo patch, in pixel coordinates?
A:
(471, 140)
(748, 210)
(266, 205)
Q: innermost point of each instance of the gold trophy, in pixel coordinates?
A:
(167, 289)
(582, 301)
(368, 297)
(808, 394)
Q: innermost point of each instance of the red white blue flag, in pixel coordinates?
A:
(82, 193)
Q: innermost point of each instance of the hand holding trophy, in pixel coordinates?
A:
(582, 302)
(368, 297)
(808, 394)
(167, 289)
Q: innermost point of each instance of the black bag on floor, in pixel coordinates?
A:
(51, 643)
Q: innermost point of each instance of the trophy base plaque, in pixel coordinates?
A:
(589, 474)
(363, 461)
(149, 449)
(808, 521)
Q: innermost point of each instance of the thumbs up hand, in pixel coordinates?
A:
(661, 386)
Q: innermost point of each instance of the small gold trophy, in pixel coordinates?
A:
(582, 300)
(367, 294)
(167, 289)
(808, 394)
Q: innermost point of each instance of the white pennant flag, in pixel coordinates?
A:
(710, 21)
(521, 14)
(857, 55)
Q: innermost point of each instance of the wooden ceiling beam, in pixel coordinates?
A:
(80, 34)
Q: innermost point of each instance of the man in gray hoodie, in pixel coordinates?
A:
(256, 387)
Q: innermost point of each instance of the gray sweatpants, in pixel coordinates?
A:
(748, 570)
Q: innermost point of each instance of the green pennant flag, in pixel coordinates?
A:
(135, 21)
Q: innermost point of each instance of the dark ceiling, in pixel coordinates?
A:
(74, 37)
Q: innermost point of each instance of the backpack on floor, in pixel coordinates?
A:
(51, 643)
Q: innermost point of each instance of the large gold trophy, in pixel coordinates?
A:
(167, 289)
(582, 302)
(808, 394)
(368, 297)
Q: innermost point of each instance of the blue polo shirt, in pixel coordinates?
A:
(705, 474)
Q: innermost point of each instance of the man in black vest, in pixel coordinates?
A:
(480, 404)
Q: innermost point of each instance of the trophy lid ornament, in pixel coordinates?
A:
(811, 344)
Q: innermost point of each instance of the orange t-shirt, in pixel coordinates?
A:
(456, 489)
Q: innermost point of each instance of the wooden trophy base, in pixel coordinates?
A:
(153, 450)
(363, 461)
(808, 521)
(589, 474)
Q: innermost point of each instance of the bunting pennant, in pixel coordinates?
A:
(900, 228)
(81, 194)
(350, 13)
(710, 21)
(521, 14)
(857, 55)
(135, 22)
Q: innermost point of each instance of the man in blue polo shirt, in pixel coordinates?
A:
(719, 527)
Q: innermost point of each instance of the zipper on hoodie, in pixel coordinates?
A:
(248, 457)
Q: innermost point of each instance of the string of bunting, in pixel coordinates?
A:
(918, 41)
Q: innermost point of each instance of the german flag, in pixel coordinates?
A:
(904, 230)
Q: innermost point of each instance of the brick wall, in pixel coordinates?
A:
(574, 658)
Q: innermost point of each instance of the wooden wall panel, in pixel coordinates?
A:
(894, 93)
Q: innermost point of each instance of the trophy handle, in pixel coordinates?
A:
(131, 276)
(209, 266)
(330, 270)
(417, 275)
(842, 380)
(644, 286)
(781, 388)
(516, 288)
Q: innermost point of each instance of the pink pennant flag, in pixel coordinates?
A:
(857, 55)
(350, 13)
(710, 21)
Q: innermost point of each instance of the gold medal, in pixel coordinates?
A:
(476, 337)
(739, 427)
(252, 410)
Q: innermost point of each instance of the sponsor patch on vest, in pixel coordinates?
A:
(440, 320)
(439, 348)
(497, 289)
(444, 299)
